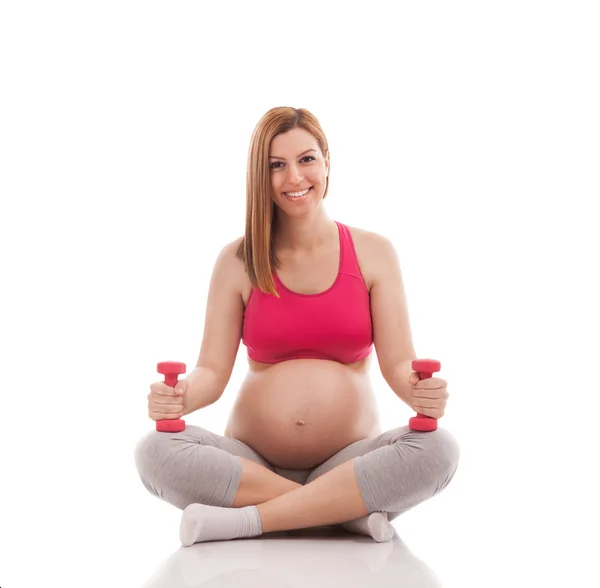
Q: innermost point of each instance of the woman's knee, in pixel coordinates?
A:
(155, 449)
(151, 456)
(443, 455)
(186, 467)
(408, 468)
(437, 453)
(440, 445)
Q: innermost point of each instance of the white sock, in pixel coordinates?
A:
(375, 525)
(200, 522)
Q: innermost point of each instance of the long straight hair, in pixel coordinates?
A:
(256, 248)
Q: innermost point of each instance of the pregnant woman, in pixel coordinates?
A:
(309, 297)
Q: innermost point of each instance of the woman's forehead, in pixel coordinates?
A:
(292, 142)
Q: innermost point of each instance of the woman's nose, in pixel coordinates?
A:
(294, 175)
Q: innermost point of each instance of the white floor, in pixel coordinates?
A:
(311, 557)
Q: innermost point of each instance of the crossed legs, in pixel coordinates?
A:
(388, 474)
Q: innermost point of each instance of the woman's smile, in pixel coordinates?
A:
(301, 197)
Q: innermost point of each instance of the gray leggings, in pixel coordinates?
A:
(395, 471)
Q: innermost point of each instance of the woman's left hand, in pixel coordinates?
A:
(428, 396)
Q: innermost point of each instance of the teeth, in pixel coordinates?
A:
(296, 194)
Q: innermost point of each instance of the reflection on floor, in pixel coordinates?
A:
(321, 556)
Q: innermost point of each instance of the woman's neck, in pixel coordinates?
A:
(303, 235)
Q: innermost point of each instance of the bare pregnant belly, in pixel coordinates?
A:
(296, 414)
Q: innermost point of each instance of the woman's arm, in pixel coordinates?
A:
(392, 334)
(222, 332)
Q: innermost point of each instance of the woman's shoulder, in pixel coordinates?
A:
(235, 267)
(367, 239)
(373, 249)
(229, 249)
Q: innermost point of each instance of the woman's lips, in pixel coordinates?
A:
(298, 197)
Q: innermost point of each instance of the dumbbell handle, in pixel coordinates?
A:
(170, 369)
(425, 368)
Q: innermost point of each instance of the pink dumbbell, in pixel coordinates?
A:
(426, 368)
(170, 369)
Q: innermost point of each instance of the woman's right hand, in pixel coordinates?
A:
(166, 402)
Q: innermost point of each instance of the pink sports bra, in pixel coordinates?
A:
(334, 325)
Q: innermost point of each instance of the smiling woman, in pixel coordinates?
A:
(310, 298)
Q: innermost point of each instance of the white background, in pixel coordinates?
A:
(466, 132)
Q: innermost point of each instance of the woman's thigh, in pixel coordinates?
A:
(194, 465)
(404, 436)
(160, 442)
(353, 450)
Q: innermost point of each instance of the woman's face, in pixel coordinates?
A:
(295, 164)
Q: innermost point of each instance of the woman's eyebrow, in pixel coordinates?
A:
(275, 157)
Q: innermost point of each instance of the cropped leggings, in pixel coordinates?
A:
(395, 470)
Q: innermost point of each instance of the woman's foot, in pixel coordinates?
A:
(375, 525)
(200, 522)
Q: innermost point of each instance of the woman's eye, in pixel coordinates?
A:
(306, 157)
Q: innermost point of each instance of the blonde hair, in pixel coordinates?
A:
(256, 247)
